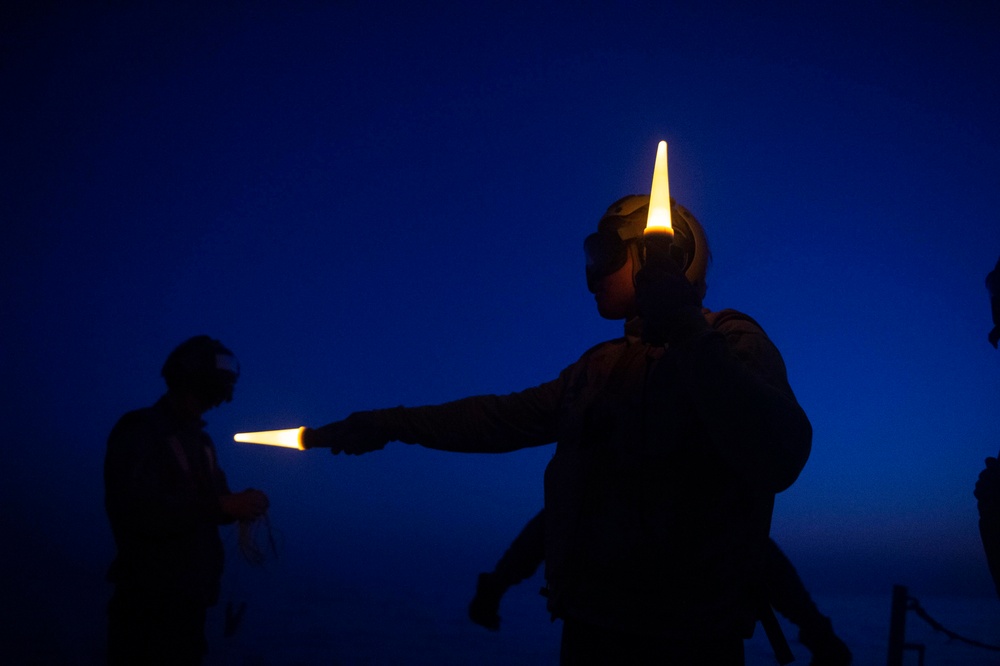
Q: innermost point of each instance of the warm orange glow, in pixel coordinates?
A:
(290, 438)
(659, 195)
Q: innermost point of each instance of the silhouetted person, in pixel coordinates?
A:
(670, 446)
(165, 497)
(785, 591)
(988, 485)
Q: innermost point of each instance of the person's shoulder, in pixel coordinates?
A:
(748, 341)
(608, 347)
(600, 354)
(141, 419)
(135, 416)
(730, 320)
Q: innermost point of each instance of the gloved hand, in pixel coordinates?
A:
(484, 609)
(246, 505)
(359, 433)
(669, 305)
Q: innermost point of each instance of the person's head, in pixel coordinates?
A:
(202, 372)
(613, 253)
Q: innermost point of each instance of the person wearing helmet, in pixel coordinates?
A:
(671, 442)
(607, 251)
(165, 497)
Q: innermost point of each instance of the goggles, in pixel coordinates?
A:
(215, 386)
(227, 362)
(605, 253)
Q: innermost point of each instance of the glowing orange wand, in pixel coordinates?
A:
(658, 221)
(290, 438)
(658, 236)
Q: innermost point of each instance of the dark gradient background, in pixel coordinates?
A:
(377, 204)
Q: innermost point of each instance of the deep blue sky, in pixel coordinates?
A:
(375, 206)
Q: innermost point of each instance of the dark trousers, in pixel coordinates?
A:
(155, 630)
(587, 645)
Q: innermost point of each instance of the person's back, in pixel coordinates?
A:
(771, 577)
(671, 537)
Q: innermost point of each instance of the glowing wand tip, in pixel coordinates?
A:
(658, 220)
(289, 438)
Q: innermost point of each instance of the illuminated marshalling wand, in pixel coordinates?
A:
(658, 220)
(290, 438)
(658, 236)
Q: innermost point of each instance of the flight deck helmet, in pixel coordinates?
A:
(620, 231)
(203, 366)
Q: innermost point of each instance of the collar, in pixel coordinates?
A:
(633, 329)
(633, 326)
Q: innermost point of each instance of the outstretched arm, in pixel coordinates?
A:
(479, 424)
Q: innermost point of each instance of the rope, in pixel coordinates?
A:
(914, 605)
(249, 530)
(249, 535)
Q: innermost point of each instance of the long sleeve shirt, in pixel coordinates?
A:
(659, 496)
(162, 487)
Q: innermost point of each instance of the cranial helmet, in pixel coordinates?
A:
(203, 366)
(620, 229)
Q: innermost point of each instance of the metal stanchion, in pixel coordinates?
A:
(897, 629)
(897, 626)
